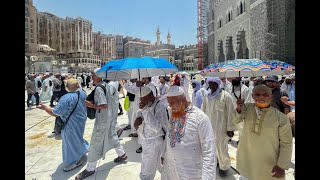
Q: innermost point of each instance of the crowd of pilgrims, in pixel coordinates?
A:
(182, 135)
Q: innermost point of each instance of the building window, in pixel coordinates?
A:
(220, 23)
(32, 41)
(26, 39)
(27, 11)
(31, 21)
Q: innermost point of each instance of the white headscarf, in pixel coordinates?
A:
(217, 80)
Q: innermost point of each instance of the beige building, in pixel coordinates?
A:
(186, 57)
(104, 46)
(135, 47)
(70, 37)
(30, 28)
(161, 50)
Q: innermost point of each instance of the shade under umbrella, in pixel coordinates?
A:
(136, 68)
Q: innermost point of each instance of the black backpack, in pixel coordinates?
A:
(39, 84)
(131, 96)
(91, 112)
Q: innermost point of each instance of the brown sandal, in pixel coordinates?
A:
(84, 174)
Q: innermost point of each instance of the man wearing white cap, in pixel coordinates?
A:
(265, 149)
(151, 131)
(103, 136)
(190, 150)
(218, 105)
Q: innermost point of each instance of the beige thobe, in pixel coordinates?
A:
(265, 142)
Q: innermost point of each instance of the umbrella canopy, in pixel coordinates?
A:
(132, 68)
(248, 68)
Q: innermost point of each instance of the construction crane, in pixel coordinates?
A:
(202, 32)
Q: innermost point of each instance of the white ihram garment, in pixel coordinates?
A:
(155, 119)
(134, 106)
(194, 156)
(186, 88)
(219, 110)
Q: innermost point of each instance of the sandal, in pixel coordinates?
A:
(121, 158)
(71, 167)
(127, 127)
(84, 174)
(139, 150)
(119, 132)
(133, 135)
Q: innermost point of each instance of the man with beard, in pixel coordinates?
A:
(190, 148)
(196, 95)
(264, 151)
(272, 82)
(218, 105)
(286, 86)
(151, 131)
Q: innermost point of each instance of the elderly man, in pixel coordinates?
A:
(264, 151)
(151, 132)
(32, 90)
(196, 95)
(218, 105)
(104, 136)
(72, 110)
(190, 150)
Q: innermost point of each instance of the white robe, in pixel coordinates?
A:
(219, 110)
(134, 106)
(46, 91)
(185, 86)
(163, 90)
(155, 119)
(104, 136)
(194, 157)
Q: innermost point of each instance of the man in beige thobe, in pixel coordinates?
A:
(264, 152)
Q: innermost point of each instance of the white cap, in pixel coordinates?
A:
(145, 91)
(175, 91)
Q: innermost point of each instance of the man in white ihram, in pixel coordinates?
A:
(218, 105)
(151, 131)
(190, 148)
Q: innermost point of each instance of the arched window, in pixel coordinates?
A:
(241, 8)
(229, 16)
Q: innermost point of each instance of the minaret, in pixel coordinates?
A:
(168, 37)
(158, 36)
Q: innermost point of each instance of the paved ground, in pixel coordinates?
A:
(43, 154)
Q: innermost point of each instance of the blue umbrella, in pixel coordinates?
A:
(136, 68)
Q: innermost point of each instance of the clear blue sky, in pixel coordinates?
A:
(136, 18)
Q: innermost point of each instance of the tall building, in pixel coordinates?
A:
(263, 29)
(70, 37)
(161, 50)
(186, 57)
(135, 47)
(119, 47)
(30, 28)
(104, 45)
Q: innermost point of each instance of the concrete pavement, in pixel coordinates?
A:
(43, 153)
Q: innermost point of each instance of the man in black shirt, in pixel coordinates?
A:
(272, 82)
